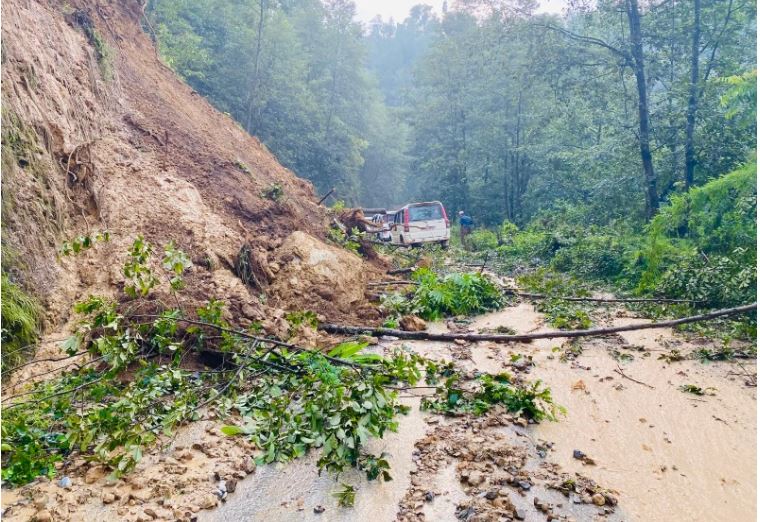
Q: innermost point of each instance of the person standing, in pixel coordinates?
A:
(465, 227)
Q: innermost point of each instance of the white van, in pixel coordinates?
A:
(419, 223)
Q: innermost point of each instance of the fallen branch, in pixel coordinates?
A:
(388, 283)
(397, 271)
(428, 336)
(512, 291)
(326, 196)
(619, 371)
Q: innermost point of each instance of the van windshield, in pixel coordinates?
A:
(425, 212)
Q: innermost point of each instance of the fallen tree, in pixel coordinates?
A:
(512, 291)
(594, 332)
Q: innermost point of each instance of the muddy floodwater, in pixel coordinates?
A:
(667, 454)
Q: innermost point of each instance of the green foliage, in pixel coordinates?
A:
(341, 238)
(20, 323)
(176, 262)
(552, 283)
(84, 242)
(346, 496)
(103, 52)
(482, 239)
(564, 315)
(454, 294)
(696, 390)
(140, 278)
(531, 401)
(300, 318)
(274, 193)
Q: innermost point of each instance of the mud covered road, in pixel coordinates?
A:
(669, 455)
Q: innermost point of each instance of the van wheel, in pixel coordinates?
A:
(416, 245)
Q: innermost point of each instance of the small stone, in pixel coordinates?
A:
(492, 494)
(412, 323)
(524, 484)
(475, 479)
(43, 516)
(222, 486)
(41, 502)
(429, 496)
(247, 465)
(210, 501)
(598, 499)
(109, 498)
(522, 422)
(65, 483)
(94, 474)
(520, 514)
(150, 513)
(231, 485)
(319, 509)
(578, 454)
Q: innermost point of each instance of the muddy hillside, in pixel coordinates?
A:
(98, 134)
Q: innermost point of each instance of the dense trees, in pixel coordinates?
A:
(610, 109)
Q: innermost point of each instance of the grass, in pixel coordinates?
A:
(20, 322)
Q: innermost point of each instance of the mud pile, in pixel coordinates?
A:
(99, 134)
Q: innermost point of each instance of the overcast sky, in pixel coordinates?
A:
(398, 9)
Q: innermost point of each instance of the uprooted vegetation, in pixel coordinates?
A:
(143, 366)
(438, 296)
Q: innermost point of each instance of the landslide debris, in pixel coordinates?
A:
(98, 134)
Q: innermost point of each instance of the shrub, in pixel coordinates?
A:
(483, 239)
(597, 256)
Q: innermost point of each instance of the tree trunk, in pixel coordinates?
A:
(637, 52)
(691, 112)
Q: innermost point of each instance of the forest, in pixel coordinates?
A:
(561, 135)
(605, 112)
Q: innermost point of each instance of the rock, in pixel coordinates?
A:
(522, 422)
(578, 454)
(231, 485)
(412, 323)
(429, 496)
(150, 513)
(185, 456)
(520, 514)
(65, 483)
(492, 494)
(41, 502)
(460, 342)
(319, 509)
(247, 465)
(208, 501)
(598, 499)
(475, 479)
(222, 486)
(109, 498)
(43, 516)
(524, 484)
(94, 474)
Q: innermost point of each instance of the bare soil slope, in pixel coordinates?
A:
(99, 134)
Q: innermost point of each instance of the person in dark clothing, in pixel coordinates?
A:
(465, 227)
